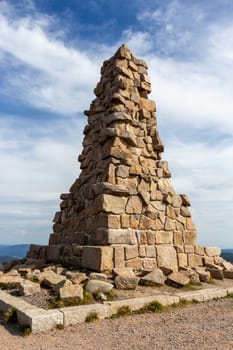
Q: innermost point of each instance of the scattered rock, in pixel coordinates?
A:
(10, 282)
(126, 282)
(192, 274)
(216, 272)
(96, 286)
(178, 279)
(101, 297)
(227, 265)
(154, 278)
(204, 275)
(66, 289)
(50, 279)
(76, 277)
(228, 274)
(27, 288)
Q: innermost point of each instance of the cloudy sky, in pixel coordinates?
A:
(50, 57)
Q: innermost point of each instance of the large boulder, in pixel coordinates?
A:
(96, 286)
(50, 279)
(125, 278)
(66, 289)
(27, 288)
(154, 278)
(178, 279)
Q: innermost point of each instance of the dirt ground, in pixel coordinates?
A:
(201, 326)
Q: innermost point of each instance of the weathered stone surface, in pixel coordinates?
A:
(66, 289)
(112, 204)
(119, 257)
(228, 274)
(27, 288)
(124, 271)
(226, 265)
(135, 263)
(190, 237)
(182, 259)
(149, 264)
(213, 251)
(163, 237)
(155, 277)
(167, 258)
(178, 279)
(203, 274)
(50, 279)
(76, 277)
(10, 282)
(134, 205)
(216, 272)
(131, 252)
(122, 236)
(53, 253)
(122, 171)
(126, 282)
(195, 260)
(98, 276)
(97, 258)
(96, 286)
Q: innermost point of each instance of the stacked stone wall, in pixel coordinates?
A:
(123, 201)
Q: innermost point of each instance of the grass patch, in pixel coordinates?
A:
(229, 296)
(122, 311)
(34, 279)
(56, 302)
(26, 331)
(152, 307)
(3, 286)
(10, 315)
(92, 317)
(192, 286)
(211, 281)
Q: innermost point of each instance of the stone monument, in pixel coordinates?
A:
(122, 210)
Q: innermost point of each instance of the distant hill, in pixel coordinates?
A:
(227, 254)
(5, 258)
(10, 252)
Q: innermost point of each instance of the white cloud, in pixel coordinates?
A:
(50, 75)
(38, 166)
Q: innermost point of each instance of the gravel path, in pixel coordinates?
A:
(197, 326)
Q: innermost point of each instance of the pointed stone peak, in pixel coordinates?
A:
(124, 52)
(124, 85)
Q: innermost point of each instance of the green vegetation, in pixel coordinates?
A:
(56, 302)
(154, 306)
(26, 331)
(34, 279)
(122, 311)
(3, 286)
(92, 317)
(10, 315)
(211, 281)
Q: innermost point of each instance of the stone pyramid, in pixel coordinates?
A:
(122, 210)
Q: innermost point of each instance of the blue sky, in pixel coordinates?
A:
(50, 58)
